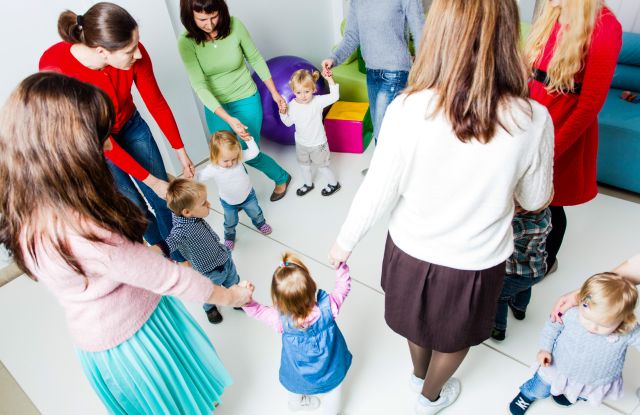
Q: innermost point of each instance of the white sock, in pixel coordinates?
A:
(328, 174)
(307, 175)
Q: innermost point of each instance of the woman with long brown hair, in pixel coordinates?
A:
(102, 48)
(67, 226)
(572, 53)
(456, 150)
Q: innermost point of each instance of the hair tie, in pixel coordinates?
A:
(284, 264)
(80, 20)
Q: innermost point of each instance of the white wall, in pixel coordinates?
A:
(628, 12)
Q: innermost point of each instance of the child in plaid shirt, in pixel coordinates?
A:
(526, 267)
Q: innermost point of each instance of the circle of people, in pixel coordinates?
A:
(483, 143)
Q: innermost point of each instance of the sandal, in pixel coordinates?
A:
(305, 189)
(330, 189)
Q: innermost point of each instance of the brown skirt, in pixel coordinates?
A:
(437, 307)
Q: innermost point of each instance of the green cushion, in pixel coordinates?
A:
(353, 83)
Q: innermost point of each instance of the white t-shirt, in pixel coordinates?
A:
(233, 183)
(452, 202)
(308, 118)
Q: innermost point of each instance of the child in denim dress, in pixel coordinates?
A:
(192, 236)
(314, 358)
(234, 186)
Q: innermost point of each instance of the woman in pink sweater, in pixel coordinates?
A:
(67, 226)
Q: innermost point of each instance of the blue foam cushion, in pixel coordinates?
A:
(626, 77)
(630, 53)
(620, 113)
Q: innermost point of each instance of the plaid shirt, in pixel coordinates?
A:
(198, 243)
(530, 231)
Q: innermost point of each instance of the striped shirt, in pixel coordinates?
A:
(198, 243)
(530, 231)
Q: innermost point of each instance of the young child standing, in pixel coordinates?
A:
(315, 358)
(583, 358)
(234, 185)
(526, 267)
(305, 112)
(192, 236)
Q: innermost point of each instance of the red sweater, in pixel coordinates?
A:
(575, 117)
(117, 84)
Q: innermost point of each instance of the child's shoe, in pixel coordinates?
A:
(214, 316)
(305, 189)
(416, 383)
(561, 400)
(265, 229)
(518, 314)
(229, 244)
(330, 189)
(519, 404)
(304, 403)
(448, 395)
(497, 334)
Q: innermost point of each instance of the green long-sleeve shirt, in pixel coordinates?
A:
(217, 69)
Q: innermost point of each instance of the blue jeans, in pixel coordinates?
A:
(226, 275)
(382, 87)
(250, 206)
(516, 292)
(535, 388)
(136, 139)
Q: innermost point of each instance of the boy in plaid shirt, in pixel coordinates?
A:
(526, 267)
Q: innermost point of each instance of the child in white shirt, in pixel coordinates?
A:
(305, 111)
(234, 186)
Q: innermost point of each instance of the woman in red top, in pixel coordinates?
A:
(572, 51)
(102, 48)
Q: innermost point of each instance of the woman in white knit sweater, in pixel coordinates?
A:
(456, 151)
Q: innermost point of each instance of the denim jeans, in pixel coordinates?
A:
(136, 139)
(226, 275)
(250, 206)
(535, 388)
(382, 87)
(516, 292)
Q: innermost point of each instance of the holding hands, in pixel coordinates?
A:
(239, 128)
(188, 169)
(338, 256)
(544, 358)
(241, 293)
(327, 64)
(280, 101)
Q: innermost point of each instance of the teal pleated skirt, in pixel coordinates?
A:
(168, 367)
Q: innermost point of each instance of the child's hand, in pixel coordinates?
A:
(338, 256)
(283, 110)
(247, 284)
(544, 358)
(246, 138)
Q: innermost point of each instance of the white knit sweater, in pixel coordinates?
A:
(452, 202)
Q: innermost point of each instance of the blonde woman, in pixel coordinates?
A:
(455, 150)
(572, 53)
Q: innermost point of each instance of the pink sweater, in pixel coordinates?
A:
(271, 316)
(125, 283)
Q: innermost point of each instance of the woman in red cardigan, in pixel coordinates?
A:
(102, 48)
(572, 52)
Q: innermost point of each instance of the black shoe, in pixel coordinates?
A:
(305, 189)
(561, 400)
(332, 189)
(498, 334)
(238, 308)
(519, 315)
(519, 404)
(277, 196)
(214, 316)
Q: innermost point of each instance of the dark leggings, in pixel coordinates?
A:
(554, 240)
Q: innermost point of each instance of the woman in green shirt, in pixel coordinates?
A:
(213, 49)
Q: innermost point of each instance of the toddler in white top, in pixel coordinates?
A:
(305, 111)
(234, 186)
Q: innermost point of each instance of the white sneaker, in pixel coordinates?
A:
(448, 395)
(416, 383)
(304, 403)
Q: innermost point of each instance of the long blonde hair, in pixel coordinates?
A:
(470, 55)
(573, 42)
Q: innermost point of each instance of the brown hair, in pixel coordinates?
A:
(52, 132)
(104, 24)
(470, 56)
(187, 7)
(304, 77)
(223, 139)
(183, 194)
(293, 291)
(612, 295)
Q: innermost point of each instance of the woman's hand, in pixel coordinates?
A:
(282, 104)
(239, 128)
(338, 256)
(563, 304)
(240, 295)
(327, 64)
(544, 358)
(157, 185)
(188, 169)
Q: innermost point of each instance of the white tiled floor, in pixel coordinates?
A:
(35, 346)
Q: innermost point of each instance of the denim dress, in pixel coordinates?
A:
(316, 359)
